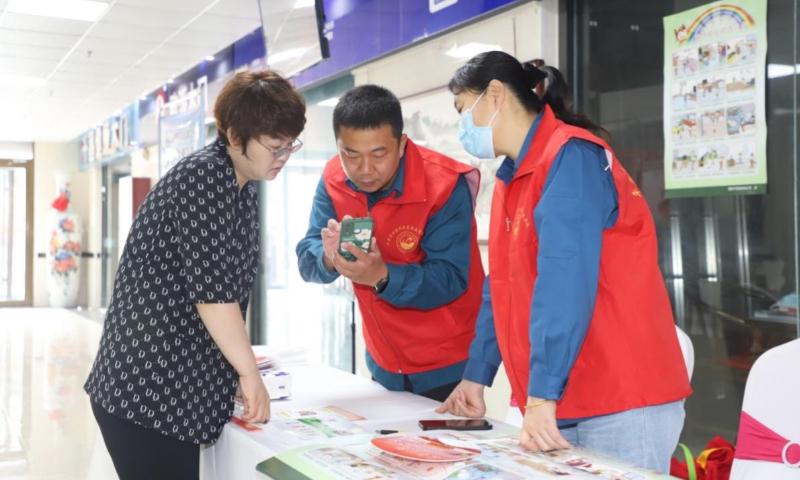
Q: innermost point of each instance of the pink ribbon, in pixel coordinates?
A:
(759, 442)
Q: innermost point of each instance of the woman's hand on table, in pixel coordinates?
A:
(465, 401)
(540, 429)
(225, 324)
(256, 398)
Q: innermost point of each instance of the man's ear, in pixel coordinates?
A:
(403, 143)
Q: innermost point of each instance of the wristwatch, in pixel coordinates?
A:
(381, 285)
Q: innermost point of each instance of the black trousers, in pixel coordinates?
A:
(139, 453)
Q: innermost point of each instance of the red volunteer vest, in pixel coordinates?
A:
(631, 357)
(407, 340)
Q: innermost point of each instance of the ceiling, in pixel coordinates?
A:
(93, 69)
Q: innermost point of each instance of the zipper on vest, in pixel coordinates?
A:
(508, 224)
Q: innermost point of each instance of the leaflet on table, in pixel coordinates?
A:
(501, 459)
(318, 423)
(313, 424)
(266, 362)
(270, 358)
(326, 411)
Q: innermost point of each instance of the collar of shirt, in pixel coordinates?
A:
(219, 146)
(397, 185)
(509, 167)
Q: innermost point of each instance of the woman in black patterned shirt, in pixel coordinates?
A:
(174, 346)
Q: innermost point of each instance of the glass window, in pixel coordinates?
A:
(315, 318)
(13, 233)
(113, 238)
(726, 260)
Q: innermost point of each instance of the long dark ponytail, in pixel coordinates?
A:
(522, 80)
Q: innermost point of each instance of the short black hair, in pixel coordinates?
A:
(368, 107)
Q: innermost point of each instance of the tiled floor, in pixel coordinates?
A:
(47, 431)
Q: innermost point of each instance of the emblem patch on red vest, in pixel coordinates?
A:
(407, 241)
(406, 238)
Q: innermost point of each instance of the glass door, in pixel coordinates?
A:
(318, 319)
(315, 318)
(113, 238)
(16, 204)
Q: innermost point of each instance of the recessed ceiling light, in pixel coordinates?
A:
(210, 58)
(170, 81)
(86, 10)
(304, 3)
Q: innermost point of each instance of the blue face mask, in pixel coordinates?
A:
(477, 141)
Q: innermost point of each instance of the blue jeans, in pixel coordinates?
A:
(646, 437)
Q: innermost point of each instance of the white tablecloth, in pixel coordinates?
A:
(237, 452)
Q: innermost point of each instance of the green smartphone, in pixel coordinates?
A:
(357, 231)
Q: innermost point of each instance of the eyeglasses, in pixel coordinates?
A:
(286, 151)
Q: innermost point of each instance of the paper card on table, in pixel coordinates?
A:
(501, 459)
(505, 451)
(344, 413)
(317, 428)
(325, 411)
(425, 448)
(266, 363)
(355, 463)
(318, 423)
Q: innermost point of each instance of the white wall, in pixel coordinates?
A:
(144, 164)
(528, 32)
(50, 160)
(16, 151)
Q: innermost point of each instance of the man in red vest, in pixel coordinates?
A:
(419, 287)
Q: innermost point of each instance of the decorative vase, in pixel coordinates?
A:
(64, 253)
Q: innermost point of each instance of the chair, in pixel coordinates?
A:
(687, 349)
(772, 397)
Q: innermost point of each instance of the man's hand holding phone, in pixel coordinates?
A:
(366, 268)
